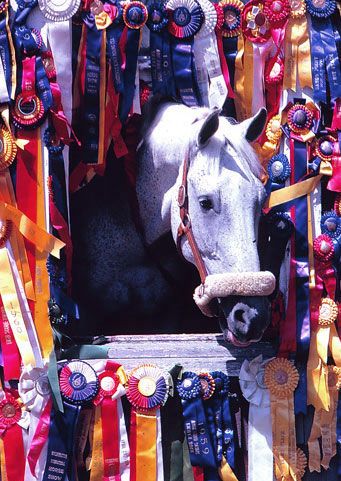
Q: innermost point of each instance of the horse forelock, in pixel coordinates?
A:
(180, 122)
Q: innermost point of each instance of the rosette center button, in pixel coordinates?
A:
(147, 386)
(8, 410)
(281, 377)
(78, 381)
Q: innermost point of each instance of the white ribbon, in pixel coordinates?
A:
(4, 98)
(260, 52)
(260, 457)
(34, 391)
(209, 75)
(159, 457)
(25, 310)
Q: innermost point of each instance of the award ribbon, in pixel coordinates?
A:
(79, 385)
(34, 390)
(281, 379)
(297, 59)
(13, 457)
(185, 20)
(251, 380)
(324, 425)
(147, 390)
(115, 449)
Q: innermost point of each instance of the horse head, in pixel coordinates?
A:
(214, 206)
(224, 196)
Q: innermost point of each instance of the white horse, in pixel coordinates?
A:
(223, 206)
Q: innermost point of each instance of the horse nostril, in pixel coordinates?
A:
(239, 315)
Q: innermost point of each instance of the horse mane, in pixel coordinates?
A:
(157, 102)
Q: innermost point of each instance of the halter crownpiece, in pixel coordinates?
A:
(233, 284)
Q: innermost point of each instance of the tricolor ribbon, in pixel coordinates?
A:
(147, 390)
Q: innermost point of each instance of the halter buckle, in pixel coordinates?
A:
(181, 195)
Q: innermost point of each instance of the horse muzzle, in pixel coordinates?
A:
(243, 300)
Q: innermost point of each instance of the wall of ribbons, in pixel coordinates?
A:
(74, 78)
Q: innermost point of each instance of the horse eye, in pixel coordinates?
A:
(206, 204)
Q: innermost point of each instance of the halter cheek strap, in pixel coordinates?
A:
(185, 227)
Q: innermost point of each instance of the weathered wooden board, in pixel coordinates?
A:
(192, 351)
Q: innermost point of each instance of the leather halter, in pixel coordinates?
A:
(185, 227)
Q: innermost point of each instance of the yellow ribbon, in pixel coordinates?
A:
(3, 461)
(297, 54)
(239, 79)
(292, 192)
(225, 471)
(102, 20)
(146, 432)
(13, 58)
(96, 464)
(43, 241)
(42, 288)
(9, 295)
(16, 240)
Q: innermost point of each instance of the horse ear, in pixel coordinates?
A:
(208, 128)
(254, 126)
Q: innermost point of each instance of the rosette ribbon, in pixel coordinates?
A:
(79, 385)
(110, 448)
(219, 420)
(185, 20)
(160, 50)
(210, 78)
(251, 380)
(147, 390)
(324, 339)
(35, 393)
(281, 379)
(11, 438)
(325, 424)
(197, 429)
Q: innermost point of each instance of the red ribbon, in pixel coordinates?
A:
(110, 435)
(28, 78)
(40, 437)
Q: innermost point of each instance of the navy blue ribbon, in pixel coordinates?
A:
(114, 33)
(183, 68)
(5, 55)
(132, 50)
(197, 432)
(161, 64)
(302, 279)
(60, 444)
(228, 439)
(90, 120)
(43, 88)
(324, 57)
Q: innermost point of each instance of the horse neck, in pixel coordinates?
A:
(159, 163)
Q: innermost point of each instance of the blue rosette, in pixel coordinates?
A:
(135, 14)
(189, 387)
(185, 18)
(221, 382)
(157, 17)
(330, 224)
(279, 168)
(78, 382)
(321, 8)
